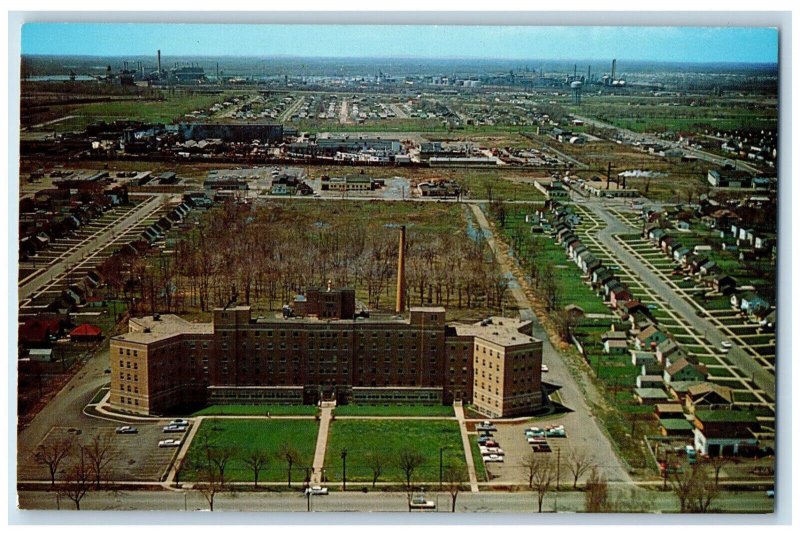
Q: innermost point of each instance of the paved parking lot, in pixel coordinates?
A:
(580, 437)
(135, 457)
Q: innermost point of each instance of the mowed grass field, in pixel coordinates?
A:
(394, 411)
(248, 435)
(388, 438)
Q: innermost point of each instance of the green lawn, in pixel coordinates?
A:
(388, 438)
(394, 411)
(260, 410)
(248, 435)
(477, 459)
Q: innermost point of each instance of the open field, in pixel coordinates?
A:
(248, 435)
(388, 438)
(352, 410)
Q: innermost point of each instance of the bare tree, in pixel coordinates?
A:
(100, 456)
(455, 475)
(210, 483)
(256, 461)
(409, 462)
(78, 478)
(52, 454)
(531, 464)
(596, 497)
(291, 456)
(376, 462)
(543, 480)
(717, 463)
(579, 462)
(220, 457)
(695, 489)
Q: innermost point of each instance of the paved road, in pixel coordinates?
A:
(572, 396)
(563, 501)
(90, 247)
(702, 155)
(746, 364)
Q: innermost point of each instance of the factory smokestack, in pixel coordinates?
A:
(613, 69)
(589, 75)
(159, 62)
(400, 303)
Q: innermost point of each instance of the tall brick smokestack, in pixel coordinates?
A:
(400, 303)
(159, 62)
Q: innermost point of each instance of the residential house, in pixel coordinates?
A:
(619, 295)
(669, 410)
(649, 338)
(649, 381)
(675, 427)
(679, 253)
(638, 357)
(684, 370)
(650, 395)
(666, 348)
(708, 395)
(724, 284)
(679, 390)
(725, 432)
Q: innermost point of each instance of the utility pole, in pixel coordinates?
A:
(441, 451)
(344, 469)
(558, 468)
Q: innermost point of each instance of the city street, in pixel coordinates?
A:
(484, 502)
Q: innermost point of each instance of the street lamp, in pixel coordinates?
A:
(344, 469)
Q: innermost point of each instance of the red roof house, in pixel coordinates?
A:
(85, 332)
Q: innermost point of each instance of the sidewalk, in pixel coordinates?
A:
(322, 442)
(462, 426)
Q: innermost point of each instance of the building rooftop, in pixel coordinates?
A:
(676, 424)
(498, 330)
(150, 329)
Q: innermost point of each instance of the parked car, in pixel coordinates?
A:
(771, 493)
(169, 443)
(486, 426)
(493, 458)
(726, 344)
(545, 368)
(174, 428)
(127, 430)
(541, 447)
(555, 432)
(179, 422)
(316, 490)
(419, 502)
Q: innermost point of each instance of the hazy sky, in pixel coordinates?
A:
(688, 44)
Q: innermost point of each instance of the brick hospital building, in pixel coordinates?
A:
(165, 363)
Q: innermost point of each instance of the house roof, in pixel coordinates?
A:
(617, 343)
(705, 388)
(615, 335)
(86, 330)
(681, 364)
(726, 415)
(683, 386)
(669, 408)
(37, 329)
(675, 424)
(647, 332)
(651, 392)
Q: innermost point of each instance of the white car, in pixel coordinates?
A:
(726, 344)
(421, 503)
(545, 368)
(169, 443)
(493, 458)
(179, 422)
(316, 490)
(174, 428)
(127, 430)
